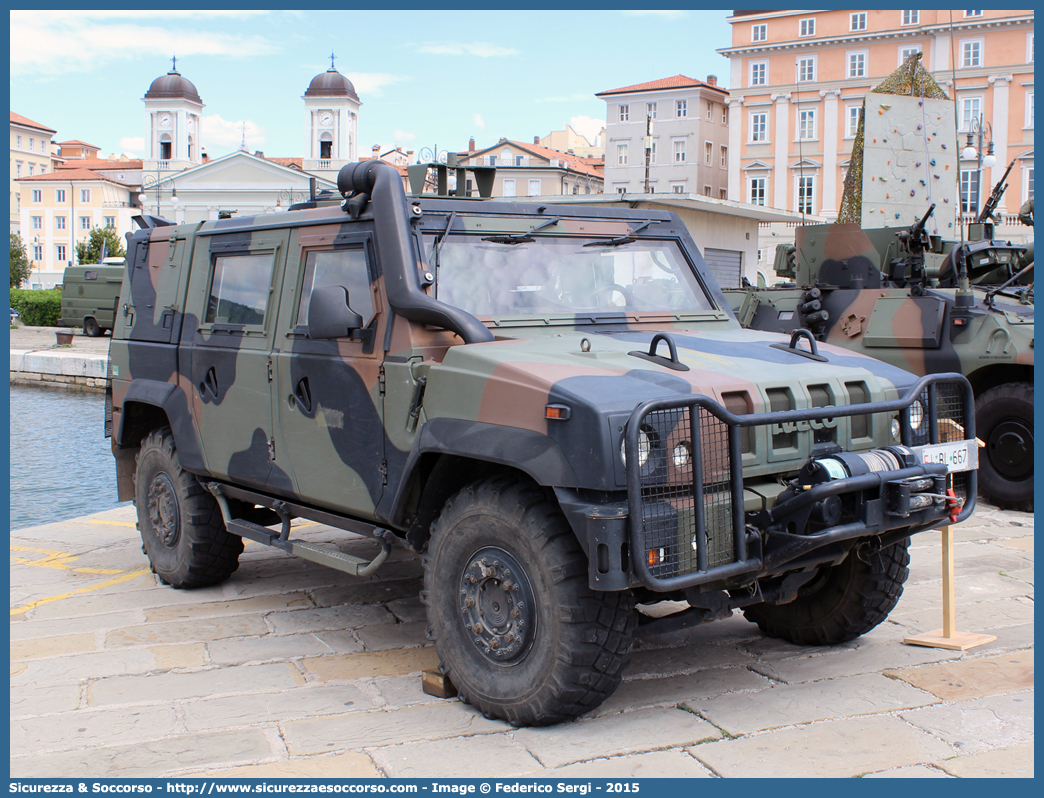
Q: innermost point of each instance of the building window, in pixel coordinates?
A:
(492, 160)
(85, 222)
(807, 27)
(707, 191)
(678, 188)
(625, 113)
(857, 21)
(37, 195)
(519, 160)
(679, 151)
(723, 193)
(621, 190)
(32, 169)
(758, 72)
(621, 155)
(85, 195)
(681, 108)
(43, 169)
(807, 125)
(59, 195)
(110, 222)
(972, 14)
(805, 190)
(18, 169)
(708, 152)
(806, 69)
(905, 52)
(509, 188)
(32, 144)
(724, 114)
(759, 33)
(710, 111)
(534, 188)
(911, 17)
(37, 251)
(36, 222)
(18, 142)
(59, 222)
(969, 191)
(854, 112)
(971, 53)
(59, 251)
(652, 153)
(1029, 110)
(971, 107)
(1029, 47)
(650, 110)
(857, 65)
(759, 127)
(724, 157)
(505, 158)
(757, 191)
(1029, 182)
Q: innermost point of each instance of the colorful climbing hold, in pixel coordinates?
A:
(932, 162)
(923, 183)
(913, 193)
(936, 176)
(918, 163)
(946, 200)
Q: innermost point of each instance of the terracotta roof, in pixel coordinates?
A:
(289, 163)
(574, 162)
(78, 143)
(18, 119)
(67, 175)
(675, 82)
(99, 164)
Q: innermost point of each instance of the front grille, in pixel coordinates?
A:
(857, 395)
(738, 403)
(779, 400)
(821, 397)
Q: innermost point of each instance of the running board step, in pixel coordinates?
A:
(332, 558)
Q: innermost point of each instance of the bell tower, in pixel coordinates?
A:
(332, 119)
(173, 122)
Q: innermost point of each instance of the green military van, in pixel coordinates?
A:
(90, 294)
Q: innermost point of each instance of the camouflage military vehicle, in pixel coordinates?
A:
(557, 410)
(894, 295)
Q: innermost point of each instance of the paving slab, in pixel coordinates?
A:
(328, 619)
(377, 663)
(673, 690)
(382, 636)
(972, 678)
(377, 729)
(247, 606)
(831, 749)
(841, 661)
(187, 631)
(51, 646)
(298, 703)
(613, 735)
(44, 699)
(337, 766)
(998, 721)
(653, 765)
(1005, 763)
(282, 647)
(368, 592)
(98, 665)
(909, 772)
(683, 659)
(783, 705)
(90, 728)
(174, 686)
(492, 755)
(403, 691)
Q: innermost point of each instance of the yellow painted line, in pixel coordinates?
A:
(59, 560)
(107, 583)
(110, 523)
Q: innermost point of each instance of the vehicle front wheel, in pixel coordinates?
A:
(180, 522)
(91, 328)
(1004, 422)
(842, 601)
(519, 632)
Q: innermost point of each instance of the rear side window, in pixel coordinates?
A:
(90, 275)
(239, 289)
(347, 267)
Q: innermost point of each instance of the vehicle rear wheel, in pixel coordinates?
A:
(519, 632)
(91, 328)
(180, 522)
(842, 602)
(1004, 422)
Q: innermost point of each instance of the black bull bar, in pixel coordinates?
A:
(715, 488)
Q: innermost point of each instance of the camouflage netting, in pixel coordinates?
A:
(909, 80)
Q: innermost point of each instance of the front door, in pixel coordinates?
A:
(328, 404)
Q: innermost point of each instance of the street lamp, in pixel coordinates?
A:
(980, 132)
(157, 183)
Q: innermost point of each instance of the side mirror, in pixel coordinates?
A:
(329, 315)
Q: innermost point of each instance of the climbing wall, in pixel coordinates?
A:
(909, 162)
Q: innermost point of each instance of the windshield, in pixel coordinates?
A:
(551, 275)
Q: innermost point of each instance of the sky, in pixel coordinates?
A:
(426, 79)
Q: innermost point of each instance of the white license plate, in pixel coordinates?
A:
(959, 456)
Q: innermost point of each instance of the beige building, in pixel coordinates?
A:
(31, 154)
(569, 141)
(59, 209)
(689, 143)
(798, 79)
(532, 170)
(78, 150)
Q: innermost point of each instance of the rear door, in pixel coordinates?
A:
(156, 269)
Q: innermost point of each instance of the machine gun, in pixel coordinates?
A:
(995, 197)
(912, 244)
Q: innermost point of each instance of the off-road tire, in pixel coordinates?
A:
(91, 328)
(570, 657)
(842, 602)
(181, 527)
(1005, 407)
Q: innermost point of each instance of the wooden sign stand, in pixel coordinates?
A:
(948, 636)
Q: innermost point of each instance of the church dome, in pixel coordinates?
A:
(331, 83)
(172, 85)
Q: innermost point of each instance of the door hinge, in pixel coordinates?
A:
(269, 370)
(271, 449)
(381, 380)
(382, 469)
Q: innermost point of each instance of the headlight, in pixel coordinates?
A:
(681, 455)
(895, 428)
(644, 446)
(916, 414)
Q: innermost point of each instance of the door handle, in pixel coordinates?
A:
(303, 394)
(210, 383)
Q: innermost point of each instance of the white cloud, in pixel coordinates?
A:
(372, 82)
(132, 146)
(669, 14)
(481, 49)
(572, 98)
(587, 127)
(402, 137)
(221, 135)
(479, 121)
(52, 43)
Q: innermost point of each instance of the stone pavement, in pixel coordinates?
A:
(36, 359)
(291, 669)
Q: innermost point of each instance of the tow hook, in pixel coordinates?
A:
(954, 504)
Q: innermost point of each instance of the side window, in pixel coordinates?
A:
(239, 289)
(347, 267)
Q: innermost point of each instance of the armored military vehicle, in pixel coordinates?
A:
(90, 295)
(555, 409)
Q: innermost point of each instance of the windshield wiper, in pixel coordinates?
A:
(521, 238)
(442, 239)
(627, 239)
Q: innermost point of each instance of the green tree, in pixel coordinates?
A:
(89, 251)
(20, 265)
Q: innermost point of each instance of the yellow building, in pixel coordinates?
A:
(31, 154)
(59, 209)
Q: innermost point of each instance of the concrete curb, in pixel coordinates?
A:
(59, 368)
